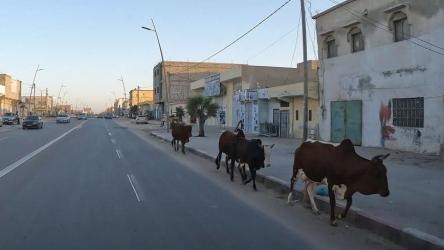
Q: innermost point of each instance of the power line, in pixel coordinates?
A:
(387, 29)
(237, 39)
(273, 43)
(312, 41)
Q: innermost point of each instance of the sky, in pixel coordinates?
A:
(87, 45)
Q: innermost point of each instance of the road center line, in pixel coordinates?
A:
(109, 134)
(27, 157)
(119, 154)
(113, 141)
(134, 189)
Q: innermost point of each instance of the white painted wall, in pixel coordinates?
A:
(386, 70)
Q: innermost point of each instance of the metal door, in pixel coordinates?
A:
(248, 117)
(346, 121)
(276, 119)
(284, 123)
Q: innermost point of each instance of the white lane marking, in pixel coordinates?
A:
(109, 134)
(119, 154)
(27, 157)
(113, 141)
(130, 179)
(4, 138)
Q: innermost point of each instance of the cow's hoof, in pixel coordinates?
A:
(340, 216)
(334, 223)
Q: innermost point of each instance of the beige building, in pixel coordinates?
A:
(179, 76)
(43, 104)
(138, 96)
(10, 93)
(269, 100)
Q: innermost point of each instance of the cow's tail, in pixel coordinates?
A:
(293, 179)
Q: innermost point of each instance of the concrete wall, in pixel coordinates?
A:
(385, 70)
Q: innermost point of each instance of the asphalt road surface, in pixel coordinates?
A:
(97, 185)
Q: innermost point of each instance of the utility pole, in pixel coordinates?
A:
(138, 99)
(46, 102)
(124, 89)
(164, 73)
(304, 42)
(33, 88)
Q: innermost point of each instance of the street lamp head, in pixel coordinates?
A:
(143, 27)
(41, 69)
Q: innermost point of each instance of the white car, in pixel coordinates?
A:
(63, 118)
(140, 119)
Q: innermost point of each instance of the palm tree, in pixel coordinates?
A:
(201, 108)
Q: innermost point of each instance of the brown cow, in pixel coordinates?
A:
(340, 166)
(182, 133)
(226, 141)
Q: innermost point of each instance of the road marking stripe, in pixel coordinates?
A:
(27, 157)
(119, 154)
(4, 138)
(109, 134)
(113, 141)
(134, 189)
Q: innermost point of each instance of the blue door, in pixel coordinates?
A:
(346, 121)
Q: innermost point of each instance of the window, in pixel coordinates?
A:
(284, 104)
(309, 115)
(330, 44)
(408, 112)
(296, 115)
(356, 39)
(400, 26)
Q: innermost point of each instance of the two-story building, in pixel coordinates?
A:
(179, 75)
(381, 71)
(10, 93)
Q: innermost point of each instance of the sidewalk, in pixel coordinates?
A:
(416, 199)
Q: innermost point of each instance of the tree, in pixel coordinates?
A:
(133, 110)
(201, 108)
(180, 112)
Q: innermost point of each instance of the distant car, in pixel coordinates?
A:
(108, 116)
(10, 118)
(141, 119)
(82, 117)
(63, 118)
(32, 121)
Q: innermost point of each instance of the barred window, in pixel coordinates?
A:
(408, 112)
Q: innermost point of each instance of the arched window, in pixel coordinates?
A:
(330, 47)
(399, 26)
(356, 39)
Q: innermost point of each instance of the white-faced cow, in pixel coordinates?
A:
(340, 165)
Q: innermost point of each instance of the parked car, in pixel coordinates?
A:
(10, 118)
(141, 119)
(108, 116)
(1, 121)
(82, 117)
(32, 121)
(63, 118)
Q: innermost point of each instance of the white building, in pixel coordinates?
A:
(381, 73)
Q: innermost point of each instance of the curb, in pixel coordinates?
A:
(410, 238)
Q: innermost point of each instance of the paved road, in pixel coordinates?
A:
(99, 186)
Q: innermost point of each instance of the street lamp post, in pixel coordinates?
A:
(33, 88)
(165, 77)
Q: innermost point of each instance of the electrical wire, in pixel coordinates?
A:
(238, 38)
(387, 29)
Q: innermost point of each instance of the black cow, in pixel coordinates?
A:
(182, 133)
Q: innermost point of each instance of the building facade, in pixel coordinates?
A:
(268, 100)
(179, 75)
(380, 76)
(44, 105)
(10, 93)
